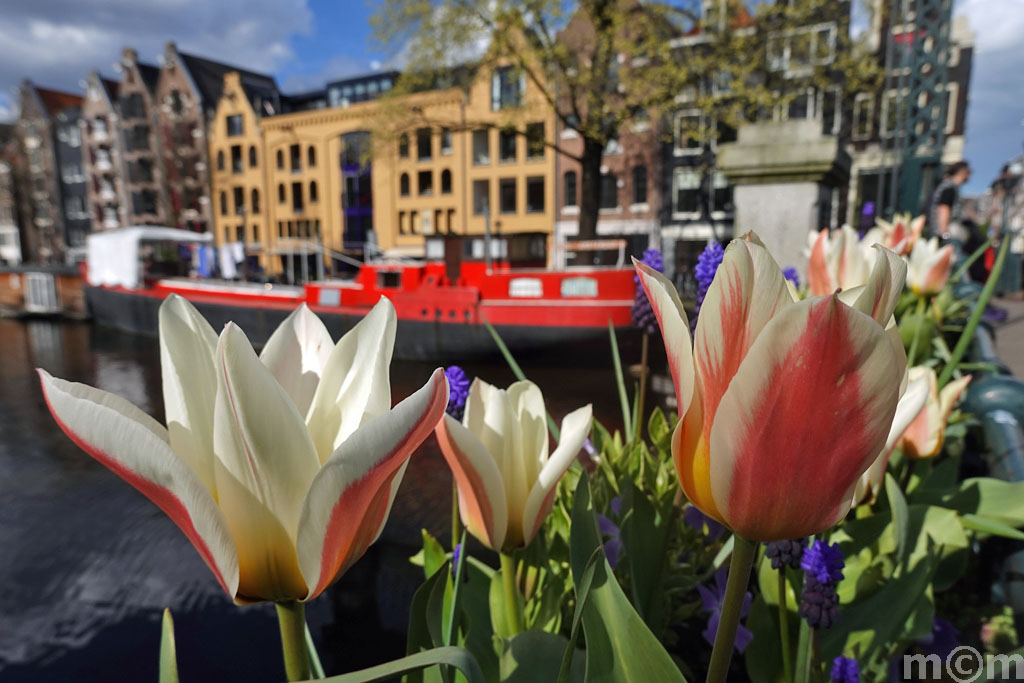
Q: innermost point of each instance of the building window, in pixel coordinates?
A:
(220, 160)
(280, 193)
(689, 132)
(401, 222)
(507, 195)
(234, 125)
(446, 141)
(446, 181)
(609, 193)
(894, 111)
(639, 184)
(403, 146)
(239, 197)
(425, 182)
(481, 197)
(721, 193)
(534, 141)
(296, 197)
(686, 184)
(507, 146)
(403, 185)
(312, 191)
(570, 188)
(280, 160)
(311, 157)
(414, 222)
(423, 151)
(507, 88)
(295, 153)
(255, 200)
(481, 147)
(252, 156)
(863, 111)
(535, 194)
(223, 203)
(236, 158)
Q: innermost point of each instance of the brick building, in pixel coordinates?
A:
(145, 199)
(102, 155)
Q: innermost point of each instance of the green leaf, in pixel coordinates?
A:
(434, 554)
(627, 423)
(168, 656)
(1000, 500)
(455, 657)
(659, 430)
(620, 647)
(900, 517)
(537, 656)
(986, 525)
(423, 624)
(582, 596)
(763, 656)
(645, 535)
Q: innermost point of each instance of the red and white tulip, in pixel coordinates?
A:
(925, 436)
(783, 404)
(901, 235)
(838, 260)
(930, 266)
(499, 457)
(280, 469)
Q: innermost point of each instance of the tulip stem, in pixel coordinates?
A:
(967, 336)
(918, 324)
(732, 606)
(513, 607)
(787, 655)
(291, 617)
(455, 514)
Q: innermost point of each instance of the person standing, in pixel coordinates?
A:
(942, 204)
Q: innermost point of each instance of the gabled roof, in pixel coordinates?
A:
(150, 75)
(56, 101)
(208, 76)
(111, 88)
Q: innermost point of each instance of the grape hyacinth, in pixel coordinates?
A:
(786, 553)
(823, 569)
(643, 314)
(844, 670)
(791, 275)
(707, 266)
(458, 391)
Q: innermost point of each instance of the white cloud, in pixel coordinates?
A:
(54, 43)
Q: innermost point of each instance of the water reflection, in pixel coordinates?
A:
(89, 563)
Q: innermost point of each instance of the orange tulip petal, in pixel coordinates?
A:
(819, 278)
(805, 415)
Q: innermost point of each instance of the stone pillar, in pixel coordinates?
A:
(785, 174)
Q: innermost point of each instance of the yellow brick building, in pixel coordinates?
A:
(404, 166)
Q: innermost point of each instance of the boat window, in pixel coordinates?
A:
(525, 287)
(579, 287)
(389, 278)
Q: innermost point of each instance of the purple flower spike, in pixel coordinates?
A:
(786, 553)
(844, 670)
(791, 275)
(707, 266)
(613, 546)
(458, 391)
(823, 569)
(712, 598)
(643, 314)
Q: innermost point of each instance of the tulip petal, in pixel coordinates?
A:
(939, 268)
(349, 500)
(882, 290)
(675, 331)
(819, 275)
(910, 405)
(526, 446)
(355, 386)
(482, 504)
(950, 393)
(265, 464)
(296, 354)
(187, 348)
(136, 448)
(748, 290)
(806, 414)
(575, 428)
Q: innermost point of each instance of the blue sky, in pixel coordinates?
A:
(308, 42)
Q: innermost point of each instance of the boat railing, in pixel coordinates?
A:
(594, 245)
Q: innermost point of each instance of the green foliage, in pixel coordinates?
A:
(168, 654)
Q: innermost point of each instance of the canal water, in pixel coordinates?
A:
(87, 564)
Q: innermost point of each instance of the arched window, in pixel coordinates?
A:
(311, 153)
(280, 160)
(403, 146)
(403, 185)
(220, 160)
(252, 156)
(312, 188)
(255, 201)
(570, 189)
(280, 191)
(446, 181)
(223, 203)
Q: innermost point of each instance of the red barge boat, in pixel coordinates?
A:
(441, 301)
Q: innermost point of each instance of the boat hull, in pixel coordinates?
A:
(435, 339)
